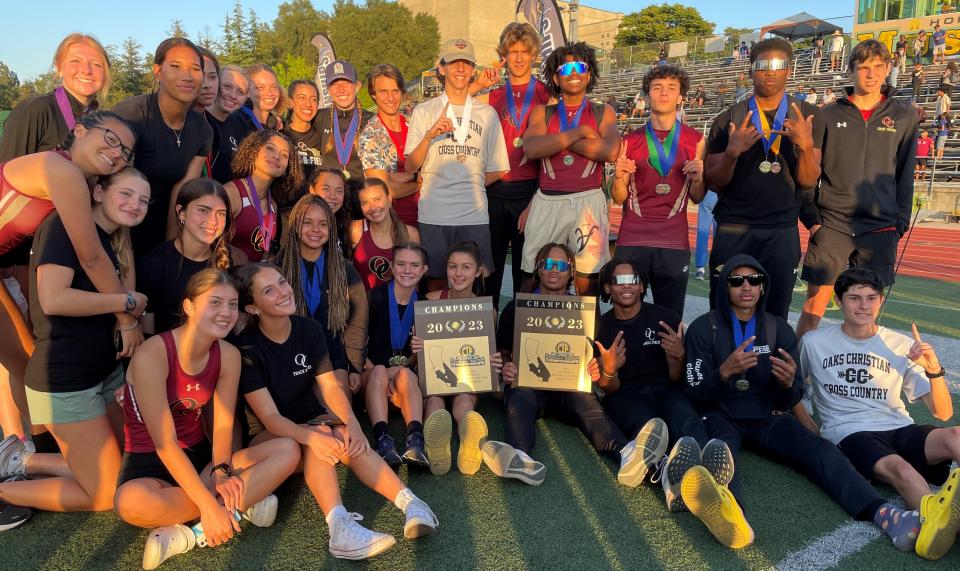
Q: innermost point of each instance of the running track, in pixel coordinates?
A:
(933, 252)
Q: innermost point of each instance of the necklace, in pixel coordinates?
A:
(176, 133)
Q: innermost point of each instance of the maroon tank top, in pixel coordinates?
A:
(20, 214)
(248, 235)
(568, 171)
(186, 395)
(373, 263)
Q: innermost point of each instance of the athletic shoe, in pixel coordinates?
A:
(940, 519)
(350, 540)
(165, 542)
(420, 520)
(437, 431)
(684, 455)
(472, 431)
(262, 513)
(388, 451)
(701, 274)
(718, 460)
(13, 455)
(415, 455)
(508, 462)
(642, 453)
(716, 507)
(13, 516)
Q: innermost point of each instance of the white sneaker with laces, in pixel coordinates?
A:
(421, 520)
(686, 454)
(13, 456)
(262, 513)
(165, 542)
(350, 540)
(642, 453)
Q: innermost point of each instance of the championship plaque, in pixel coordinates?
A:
(458, 339)
(551, 341)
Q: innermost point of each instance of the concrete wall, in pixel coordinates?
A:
(944, 197)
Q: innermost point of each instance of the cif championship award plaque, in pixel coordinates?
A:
(458, 339)
(551, 341)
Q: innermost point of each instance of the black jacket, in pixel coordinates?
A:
(709, 342)
(867, 178)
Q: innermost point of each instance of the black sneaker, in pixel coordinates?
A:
(415, 455)
(13, 516)
(387, 451)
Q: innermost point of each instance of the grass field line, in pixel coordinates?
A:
(938, 307)
(827, 551)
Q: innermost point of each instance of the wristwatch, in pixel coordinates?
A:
(942, 372)
(224, 467)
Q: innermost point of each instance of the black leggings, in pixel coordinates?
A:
(631, 408)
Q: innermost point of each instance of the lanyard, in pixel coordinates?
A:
(564, 125)
(344, 146)
(65, 110)
(461, 132)
(400, 325)
(519, 119)
(662, 161)
(249, 113)
(399, 140)
(267, 221)
(738, 332)
(312, 284)
(759, 120)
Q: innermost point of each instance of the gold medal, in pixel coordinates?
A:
(518, 142)
(568, 160)
(742, 385)
(662, 188)
(765, 167)
(346, 174)
(398, 361)
(775, 167)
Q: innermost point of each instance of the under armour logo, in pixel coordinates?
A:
(843, 124)
(193, 387)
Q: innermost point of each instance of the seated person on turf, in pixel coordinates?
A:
(464, 270)
(741, 369)
(648, 398)
(171, 474)
(556, 268)
(389, 377)
(286, 372)
(859, 371)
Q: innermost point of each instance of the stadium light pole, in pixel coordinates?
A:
(573, 7)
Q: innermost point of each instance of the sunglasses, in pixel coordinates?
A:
(752, 279)
(770, 65)
(623, 279)
(552, 265)
(571, 67)
(114, 142)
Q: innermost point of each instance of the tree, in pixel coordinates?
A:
(239, 36)
(130, 71)
(384, 31)
(176, 29)
(293, 67)
(9, 87)
(735, 33)
(297, 21)
(660, 23)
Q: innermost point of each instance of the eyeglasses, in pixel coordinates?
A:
(624, 279)
(752, 279)
(770, 65)
(113, 140)
(570, 67)
(552, 265)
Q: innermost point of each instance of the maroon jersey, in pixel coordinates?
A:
(20, 214)
(653, 218)
(521, 168)
(373, 263)
(568, 171)
(248, 235)
(186, 395)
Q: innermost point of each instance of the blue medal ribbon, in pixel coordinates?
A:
(519, 118)
(344, 146)
(738, 331)
(564, 126)
(400, 325)
(664, 163)
(312, 285)
(759, 119)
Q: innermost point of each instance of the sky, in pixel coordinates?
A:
(29, 39)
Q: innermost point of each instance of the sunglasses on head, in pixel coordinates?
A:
(570, 67)
(551, 265)
(624, 279)
(752, 279)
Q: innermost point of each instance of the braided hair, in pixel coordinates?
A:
(338, 302)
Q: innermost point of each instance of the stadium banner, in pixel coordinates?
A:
(714, 44)
(552, 341)
(458, 339)
(327, 56)
(544, 15)
(677, 49)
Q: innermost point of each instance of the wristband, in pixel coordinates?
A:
(131, 328)
(224, 467)
(131, 302)
(942, 372)
(609, 376)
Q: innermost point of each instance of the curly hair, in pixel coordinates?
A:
(283, 188)
(542, 254)
(668, 71)
(579, 51)
(606, 274)
(338, 295)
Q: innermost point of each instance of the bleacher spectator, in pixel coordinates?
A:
(894, 70)
(924, 143)
(817, 54)
(943, 102)
(939, 43)
(744, 50)
(918, 43)
(916, 80)
(902, 53)
(639, 104)
(743, 85)
(828, 97)
(943, 133)
(811, 97)
(836, 51)
(699, 96)
(950, 76)
(722, 95)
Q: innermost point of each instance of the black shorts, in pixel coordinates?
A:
(148, 464)
(829, 252)
(921, 162)
(864, 449)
